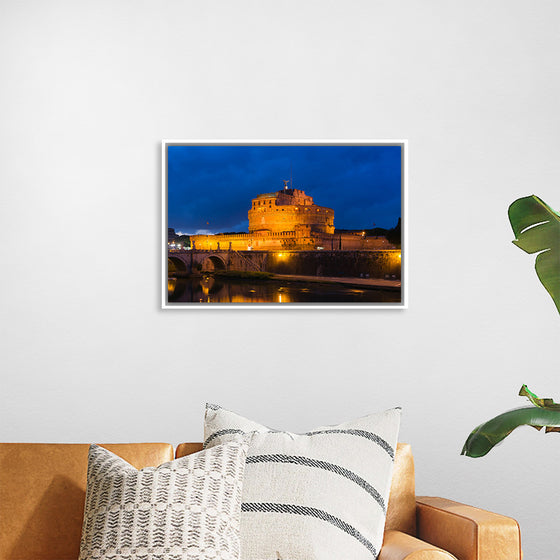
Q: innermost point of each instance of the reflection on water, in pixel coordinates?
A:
(228, 290)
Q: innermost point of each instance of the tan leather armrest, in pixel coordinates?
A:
(467, 532)
(400, 546)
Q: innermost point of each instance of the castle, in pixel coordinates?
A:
(288, 219)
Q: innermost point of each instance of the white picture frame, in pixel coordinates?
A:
(227, 249)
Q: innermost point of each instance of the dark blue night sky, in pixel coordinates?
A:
(210, 188)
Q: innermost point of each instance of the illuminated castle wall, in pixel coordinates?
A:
(289, 219)
(288, 210)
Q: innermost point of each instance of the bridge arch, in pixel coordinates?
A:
(175, 265)
(213, 263)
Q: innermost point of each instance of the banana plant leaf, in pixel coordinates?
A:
(537, 401)
(543, 413)
(536, 227)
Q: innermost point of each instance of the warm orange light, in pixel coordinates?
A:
(171, 284)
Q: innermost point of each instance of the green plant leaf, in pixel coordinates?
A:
(536, 227)
(483, 438)
(537, 401)
(544, 413)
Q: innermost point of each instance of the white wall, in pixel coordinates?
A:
(88, 91)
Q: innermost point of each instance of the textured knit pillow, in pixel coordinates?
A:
(187, 509)
(321, 495)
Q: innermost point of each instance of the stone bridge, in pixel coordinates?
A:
(355, 264)
(192, 261)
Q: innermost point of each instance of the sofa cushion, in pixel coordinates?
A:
(186, 509)
(42, 492)
(401, 510)
(322, 494)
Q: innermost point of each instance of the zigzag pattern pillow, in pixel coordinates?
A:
(187, 509)
(321, 495)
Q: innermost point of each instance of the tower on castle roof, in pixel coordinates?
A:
(288, 210)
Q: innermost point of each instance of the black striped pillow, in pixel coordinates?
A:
(322, 494)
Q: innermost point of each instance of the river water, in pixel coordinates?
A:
(229, 290)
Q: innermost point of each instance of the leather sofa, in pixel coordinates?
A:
(42, 492)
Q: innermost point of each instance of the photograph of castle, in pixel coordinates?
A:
(278, 224)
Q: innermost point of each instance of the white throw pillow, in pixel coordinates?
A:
(321, 495)
(187, 509)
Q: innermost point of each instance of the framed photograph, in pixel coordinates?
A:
(284, 224)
